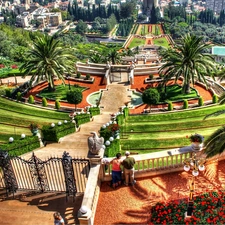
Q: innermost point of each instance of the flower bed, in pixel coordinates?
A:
(208, 209)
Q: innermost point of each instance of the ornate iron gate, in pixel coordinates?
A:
(64, 174)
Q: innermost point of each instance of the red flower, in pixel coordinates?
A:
(2, 66)
(14, 66)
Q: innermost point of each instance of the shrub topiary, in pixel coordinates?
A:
(57, 104)
(87, 76)
(78, 74)
(170, 106)
(18, 96)
(215, 99)
(200, 101)
(31, 99)
(8, 92)
(185, 104)
(44, 102)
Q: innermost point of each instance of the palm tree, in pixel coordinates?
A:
(215, 143)
(188, 59)
(96, 58)
(46, 60)
(113, 56)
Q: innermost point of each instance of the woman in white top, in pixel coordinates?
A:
(58, 220)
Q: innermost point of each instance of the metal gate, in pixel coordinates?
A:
(115, 76)
(64, 174)
(119, 74)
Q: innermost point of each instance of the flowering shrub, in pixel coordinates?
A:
(113, 127)
(197, 138)
(109, 131)
(14, 66)
(208, 209)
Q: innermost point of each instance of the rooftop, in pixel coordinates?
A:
(218, 50)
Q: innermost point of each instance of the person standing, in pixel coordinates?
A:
(58, 220)
(128, 165)
(116, 171)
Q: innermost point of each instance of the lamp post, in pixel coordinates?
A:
(195, 165)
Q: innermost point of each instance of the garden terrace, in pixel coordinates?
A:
(140, 85)
(90, 88)
(21, 116)
(156, 132)
(134, 204)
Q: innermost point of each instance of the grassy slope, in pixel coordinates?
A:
(147, 133)
(16, 118)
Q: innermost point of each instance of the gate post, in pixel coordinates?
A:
(70, 182)
(9, 176)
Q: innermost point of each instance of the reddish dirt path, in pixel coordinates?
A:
(139, 29)
(160, 27)
(131, 205)
(139, 85)
(96, 86)
(148, 41)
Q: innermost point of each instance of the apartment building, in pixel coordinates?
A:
(215, 5)
(23, 20)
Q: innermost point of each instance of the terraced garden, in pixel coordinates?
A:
(150, 133)
(16, 118)
(161, 42)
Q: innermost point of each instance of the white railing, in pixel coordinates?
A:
(152, 163)
(147, 165)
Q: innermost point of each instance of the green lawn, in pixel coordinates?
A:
(60, 92)
(161, 42)
(174, 93)
(136, 42)
(151, 133)
(16, 118)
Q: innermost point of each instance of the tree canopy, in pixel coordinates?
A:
(188, 59)
(150, 96)
(75, 97)
(47, 59)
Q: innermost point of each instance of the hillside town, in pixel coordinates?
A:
(29, 13)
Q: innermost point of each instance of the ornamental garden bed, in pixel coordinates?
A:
(208, 209)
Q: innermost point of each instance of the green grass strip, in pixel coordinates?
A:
(199, 112)
(11, 106)
(184, 125)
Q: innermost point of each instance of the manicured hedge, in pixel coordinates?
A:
(94, 111)
(22, 146)
(55, 133)
(81, 119)
(120, 119)
(113, 149)
(126, 112)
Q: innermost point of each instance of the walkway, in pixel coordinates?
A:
(35, 209)
(131, 205)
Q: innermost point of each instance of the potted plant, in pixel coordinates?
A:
(197, 138)
(34, 128)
